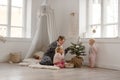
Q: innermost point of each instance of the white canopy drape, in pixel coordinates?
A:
(45, 33)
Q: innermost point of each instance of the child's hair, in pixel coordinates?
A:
(92, 40)
(58, 49)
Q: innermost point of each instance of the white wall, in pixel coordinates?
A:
(63, 9)
(82, 17)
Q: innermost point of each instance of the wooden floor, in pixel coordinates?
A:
(15, 72)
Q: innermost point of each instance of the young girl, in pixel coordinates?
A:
(59, 57)
(92, 53)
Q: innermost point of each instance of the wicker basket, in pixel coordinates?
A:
(15, 57)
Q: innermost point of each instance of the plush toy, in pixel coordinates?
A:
(14, 57)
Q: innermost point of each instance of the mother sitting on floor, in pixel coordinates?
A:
(49, 54)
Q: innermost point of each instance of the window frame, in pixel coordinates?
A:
(8, 24)
(102, 21)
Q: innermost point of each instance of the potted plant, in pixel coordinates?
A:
(79, 50)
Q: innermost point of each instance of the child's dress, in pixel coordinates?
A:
(59, 60)
(92, 55)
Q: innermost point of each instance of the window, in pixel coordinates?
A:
(101, 19)
(12, 17)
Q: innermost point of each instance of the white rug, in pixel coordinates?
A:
(33, 63)
(38, 66)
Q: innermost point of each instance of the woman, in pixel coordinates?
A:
(49, 54)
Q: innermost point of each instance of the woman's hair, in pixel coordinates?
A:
(61, 38)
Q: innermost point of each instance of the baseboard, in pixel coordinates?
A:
(115, 67)
(107, 66)
(85, 63)
(3, 60)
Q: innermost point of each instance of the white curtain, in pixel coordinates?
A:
(45, 33)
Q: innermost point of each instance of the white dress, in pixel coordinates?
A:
(58, 57)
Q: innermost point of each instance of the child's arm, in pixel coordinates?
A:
(55, 58)
(95, 49)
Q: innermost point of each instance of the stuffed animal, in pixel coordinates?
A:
(14, 57)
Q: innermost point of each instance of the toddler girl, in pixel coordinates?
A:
(92, 53)
(59, 57)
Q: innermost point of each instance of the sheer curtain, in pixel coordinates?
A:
(45, 33)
